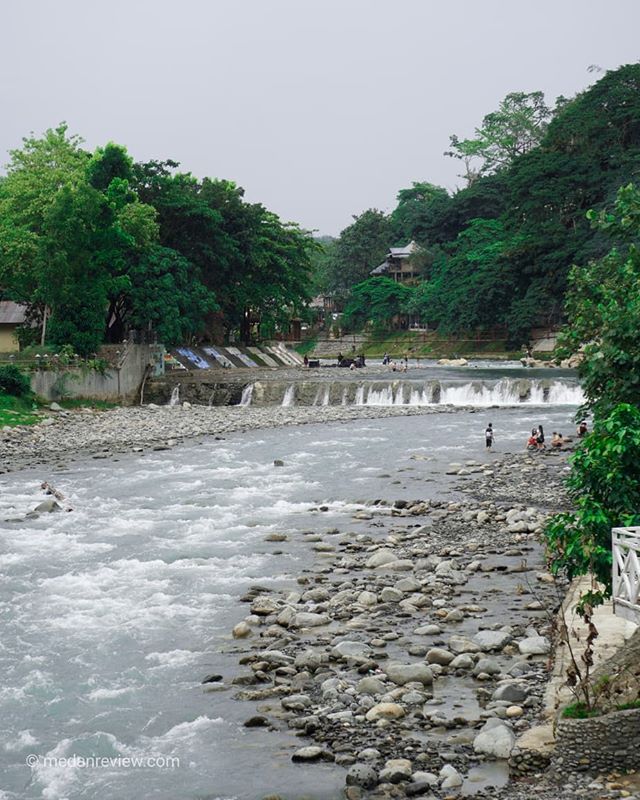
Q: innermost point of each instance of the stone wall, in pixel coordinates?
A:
(329, 348)
(600, 744)
(115, 384)
(194, 389)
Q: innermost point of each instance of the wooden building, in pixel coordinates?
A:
(12, 315)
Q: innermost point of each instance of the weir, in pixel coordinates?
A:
(480, 393)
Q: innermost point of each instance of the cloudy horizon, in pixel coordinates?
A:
(319, 110)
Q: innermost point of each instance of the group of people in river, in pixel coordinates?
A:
(395, 366)
(536, 440)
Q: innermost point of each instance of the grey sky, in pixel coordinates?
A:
(319, 108)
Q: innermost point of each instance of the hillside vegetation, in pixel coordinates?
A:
(497, 253)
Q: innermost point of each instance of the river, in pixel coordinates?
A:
(111, 615)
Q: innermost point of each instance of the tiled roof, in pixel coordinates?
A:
(12, 313)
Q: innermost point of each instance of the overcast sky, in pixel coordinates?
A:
(318, 108)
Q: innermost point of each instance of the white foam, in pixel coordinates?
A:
(23, 740)
(173, 658)
(109, 694)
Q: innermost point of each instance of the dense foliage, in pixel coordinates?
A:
(603, 305)
(378, 300)
(605, 488)
(14, 382)
(95, 245)
(498, 252)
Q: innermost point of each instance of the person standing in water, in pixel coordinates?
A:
(488, 436)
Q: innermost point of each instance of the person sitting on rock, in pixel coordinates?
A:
(582, 428)
(532, 441)
(556, 439)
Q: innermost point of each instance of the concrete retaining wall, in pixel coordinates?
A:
(121, 383)
(601, 744)
(329, 348)
(198, 390)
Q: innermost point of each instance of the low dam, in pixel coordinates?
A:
(425, 387)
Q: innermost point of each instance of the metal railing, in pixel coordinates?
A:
(626, 573)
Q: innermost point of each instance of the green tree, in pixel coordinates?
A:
(71, 226)
(376, 300)
(257, 266)
(360, 248)
(605, 489)
(412, 217)
(163, 294)
(514, 129)
(470, 286)
(603, 307)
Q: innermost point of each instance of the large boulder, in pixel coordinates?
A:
(347, 650)
(396, 770)
(511, 692)
(460, 644)
(438, 655)
(495, 739)
(534, 646)
(264, 606)
(450, 777)
(308, 619)
(312, 753)
(380, 558)
(362, 775)
(385, 711)
(409, 673)
(492, 640)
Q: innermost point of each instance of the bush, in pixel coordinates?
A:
(14, 382)
(605, 488)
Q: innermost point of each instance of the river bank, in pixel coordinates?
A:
(414, 656)
(148, 576)
(68, 435)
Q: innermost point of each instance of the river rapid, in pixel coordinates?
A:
(111, 615)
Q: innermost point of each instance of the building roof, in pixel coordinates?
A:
(403, 252)
(12, 313)
(395, 252)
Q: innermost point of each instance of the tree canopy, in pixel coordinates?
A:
(498, 252)
(97, 244)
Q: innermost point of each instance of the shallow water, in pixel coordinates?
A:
(110, 616)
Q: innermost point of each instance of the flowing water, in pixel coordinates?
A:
(111, 615)
(480, 386)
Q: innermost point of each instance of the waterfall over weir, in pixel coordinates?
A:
(479, 393)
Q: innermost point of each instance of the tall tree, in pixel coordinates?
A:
(359, 248)
(70, 226)
(518, 125)
(412, 218)
(377, 300)
(603, 307)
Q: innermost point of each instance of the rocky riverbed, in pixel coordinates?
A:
(412, 657)
(64, 435)
(416, 649)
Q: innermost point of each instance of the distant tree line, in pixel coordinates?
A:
(95, 244)
(498, 252)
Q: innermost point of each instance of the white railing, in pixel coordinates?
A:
(626, 573)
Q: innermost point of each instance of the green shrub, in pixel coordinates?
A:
(580, 711)
(14, 382)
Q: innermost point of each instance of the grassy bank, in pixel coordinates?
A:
(28, 411)
(16, 411)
